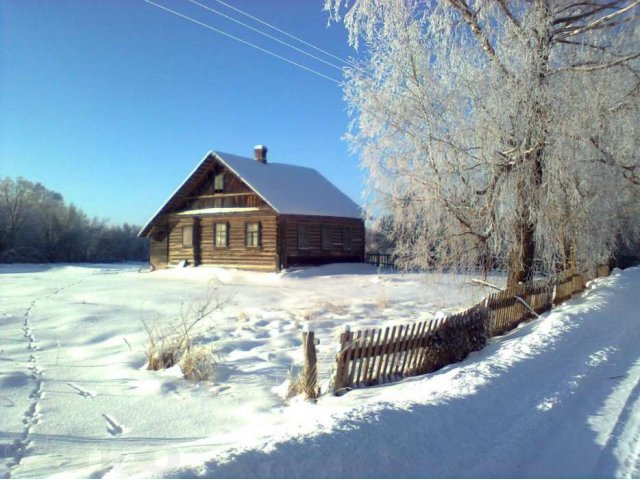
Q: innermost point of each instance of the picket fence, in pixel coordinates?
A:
(383, 355)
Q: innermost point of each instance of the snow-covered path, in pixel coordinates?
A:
(557, 397)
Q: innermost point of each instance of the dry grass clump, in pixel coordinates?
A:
(198, 364)
(296, 385)
(382, 302)
(301, 382)
(323, 308)
(172, 345)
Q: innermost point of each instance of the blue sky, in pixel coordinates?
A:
(113, 103)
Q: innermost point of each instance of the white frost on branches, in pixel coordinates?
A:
(498, 130)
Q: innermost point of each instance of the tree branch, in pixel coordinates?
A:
(592, 66)
(570, 32)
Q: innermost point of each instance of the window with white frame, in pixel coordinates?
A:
(221, 233)
(253, 234)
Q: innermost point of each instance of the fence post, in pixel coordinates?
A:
(310, 371)
(342, 371)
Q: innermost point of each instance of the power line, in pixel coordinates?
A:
(264, 50)
(217, 12)
(283, 32)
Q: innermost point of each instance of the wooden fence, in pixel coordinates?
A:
(382, 355)
(376, 356)
(509, 307)
(384, 260)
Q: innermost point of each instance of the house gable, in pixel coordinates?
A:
(197, 193)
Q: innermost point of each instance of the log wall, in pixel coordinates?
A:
(236, 254)
(293, 254)
(159, 251)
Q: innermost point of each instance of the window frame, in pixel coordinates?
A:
(257, 235)
(327, 237)
(304, 240)
(215, 183)
(226, 234)
(346, 239)
(186, 228)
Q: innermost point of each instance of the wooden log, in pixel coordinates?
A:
(310, 370)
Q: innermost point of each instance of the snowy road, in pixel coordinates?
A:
(558, 397)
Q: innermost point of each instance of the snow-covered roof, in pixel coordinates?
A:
(288, 189)
(291, 189)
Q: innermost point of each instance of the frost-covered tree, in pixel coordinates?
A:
(498, 130)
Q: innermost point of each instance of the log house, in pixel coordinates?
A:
(244, 213)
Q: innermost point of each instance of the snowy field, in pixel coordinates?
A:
(557, 397)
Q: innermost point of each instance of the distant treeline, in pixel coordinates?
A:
(36, 225)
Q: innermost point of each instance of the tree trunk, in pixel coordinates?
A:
(522, 255)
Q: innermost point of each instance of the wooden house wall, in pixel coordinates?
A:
(236, 254)
(159, 249)
(292, 254)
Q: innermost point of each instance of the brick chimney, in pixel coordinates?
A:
(261, 153)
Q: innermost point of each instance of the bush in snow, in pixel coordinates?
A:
(199, 363)
(173, 344)
(454, 340)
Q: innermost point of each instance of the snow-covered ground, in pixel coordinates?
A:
(557, 397)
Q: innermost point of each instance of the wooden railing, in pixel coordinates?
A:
(384, 260)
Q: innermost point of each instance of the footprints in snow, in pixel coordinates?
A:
(113, 427)
(31, 416)
(82, 392)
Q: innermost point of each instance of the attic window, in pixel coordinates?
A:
(218, 183)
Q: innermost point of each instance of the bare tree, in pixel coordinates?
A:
(497, 129)
(12, 200)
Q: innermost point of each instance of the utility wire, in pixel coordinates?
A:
(283, 32)
(217, 12)
(264, 50)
